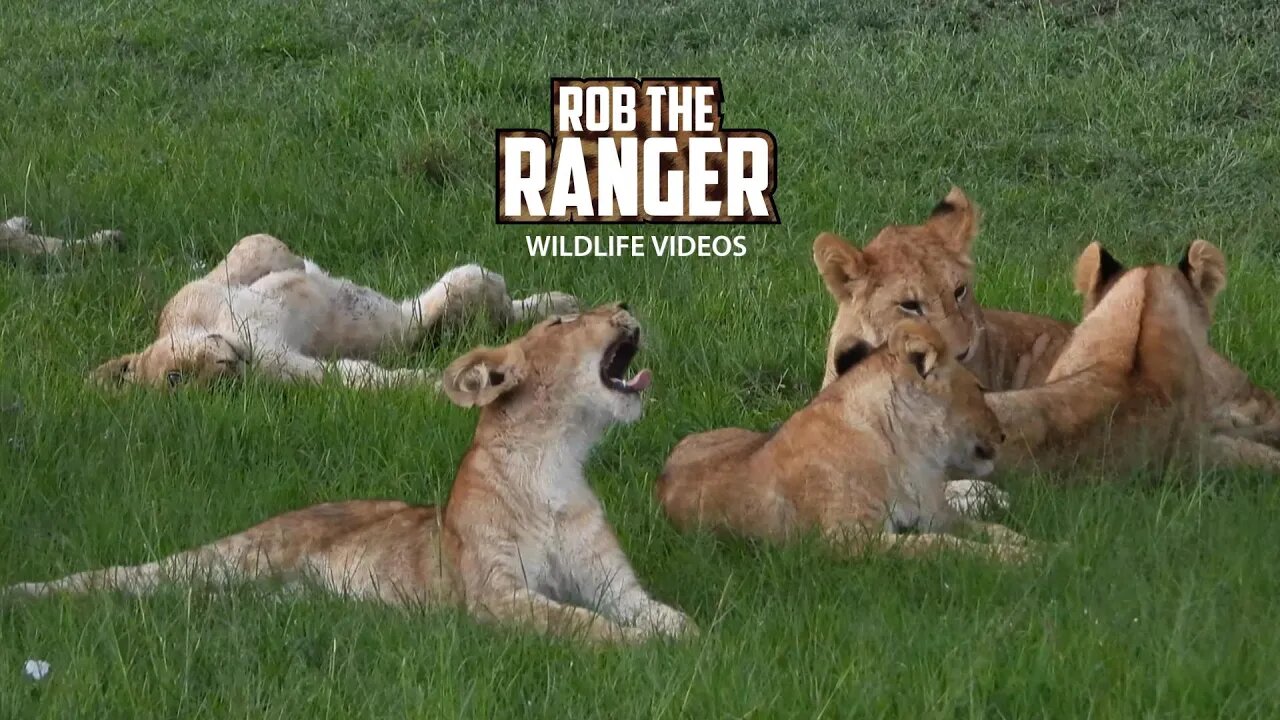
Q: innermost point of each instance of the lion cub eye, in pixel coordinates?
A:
(174, 377)
(911, 307)
(961, 292)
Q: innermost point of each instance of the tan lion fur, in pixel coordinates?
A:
(16, 238)
(863, 463)
(1132, 387)
(522, 539)
(929, 264)
(264, 307)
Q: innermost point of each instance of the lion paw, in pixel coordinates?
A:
(668, 622)
(975, 498)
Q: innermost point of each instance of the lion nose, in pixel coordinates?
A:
(984, 452)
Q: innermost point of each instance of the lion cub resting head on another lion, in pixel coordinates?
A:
(1131, 389)
(925, 271)
(265, 308)
(865, 463)
(522, 539)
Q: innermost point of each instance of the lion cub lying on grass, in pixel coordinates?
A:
(865, 463)
(16, 237)
(1132, 387)
(522, 539)
(925, 271)
(266, 307)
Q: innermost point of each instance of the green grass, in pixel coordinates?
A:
(361, 133)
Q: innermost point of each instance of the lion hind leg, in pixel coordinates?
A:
(542, 305)
(471, 290)
(461, 292)
(252, 258)
(210, 566)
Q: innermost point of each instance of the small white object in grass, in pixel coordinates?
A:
(36, 669)
(199, 266)
(975, 498)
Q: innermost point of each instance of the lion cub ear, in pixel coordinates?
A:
(955, 218)
(111, 373)
(839, 262)
(918, 344)
(1095, 269)
(483, 375)
(1205, 266)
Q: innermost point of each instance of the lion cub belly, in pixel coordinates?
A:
(319, 315)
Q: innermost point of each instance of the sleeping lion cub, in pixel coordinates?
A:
(267, 308)
(16, 238)
(865, 463)
(522, 539)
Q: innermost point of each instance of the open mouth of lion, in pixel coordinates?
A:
(617, 359)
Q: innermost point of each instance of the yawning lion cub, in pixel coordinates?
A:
(863, 463)
(266, 307)
(522, 539)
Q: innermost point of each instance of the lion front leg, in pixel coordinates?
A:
(975, 498)
(860, 541)
(520, 607)
(611, 585)
(926, 544)
(290, 366)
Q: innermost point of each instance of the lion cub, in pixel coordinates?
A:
(926, 271)
(866, 462)
(522, 539)
(1132, 387)
(16, 237)
(266, 308)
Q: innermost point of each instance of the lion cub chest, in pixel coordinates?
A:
(556, 544)
(917, 499)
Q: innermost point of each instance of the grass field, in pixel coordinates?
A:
(361, 132)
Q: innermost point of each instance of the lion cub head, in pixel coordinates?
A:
(177, 359)
(567, 369)
(935, 402)
(907, 271)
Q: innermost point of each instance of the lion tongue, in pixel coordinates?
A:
(640, 381)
